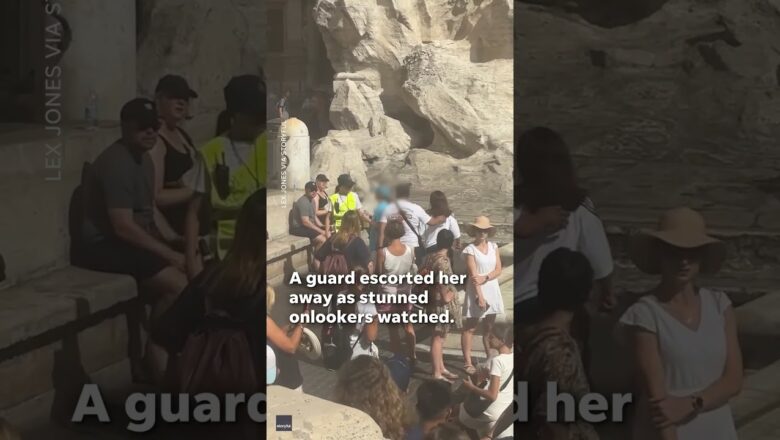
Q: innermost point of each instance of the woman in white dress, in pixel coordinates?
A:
(684, 338)
(483, 294)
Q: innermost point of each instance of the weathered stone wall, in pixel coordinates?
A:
(205, 41)
(680, 106)
(432, 75)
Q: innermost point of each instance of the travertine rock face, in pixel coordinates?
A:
(354, 106)
(437, 66)
(696, 81)
(189, 38)
(468, 104)
(680, 107)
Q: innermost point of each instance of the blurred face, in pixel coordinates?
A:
(173, 109)
(680, 265)
(311, 194)
(322, 185)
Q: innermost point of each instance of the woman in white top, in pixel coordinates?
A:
(439, 206)
(397, 259)
(498, 387)
(483, 299)
(684, 338)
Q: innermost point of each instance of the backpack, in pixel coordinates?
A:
(216, 358)
(335, 263)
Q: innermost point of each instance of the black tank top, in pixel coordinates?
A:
(176, 162)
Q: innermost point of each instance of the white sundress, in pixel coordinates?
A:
(486, 263)
(686, 370)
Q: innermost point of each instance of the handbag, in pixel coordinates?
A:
(475, 405)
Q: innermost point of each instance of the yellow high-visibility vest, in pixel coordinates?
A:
(350, 204)
(244, 181)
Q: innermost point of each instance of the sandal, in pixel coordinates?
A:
(450, 375)
(443, 379)
(469, 369)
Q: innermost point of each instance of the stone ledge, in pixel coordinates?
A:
(317, 418)
(59, 298)
(760, 393)
(282, 246)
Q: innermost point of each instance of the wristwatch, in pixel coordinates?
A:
(698, 404)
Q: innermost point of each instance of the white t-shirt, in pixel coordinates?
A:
(503, 366)
(431, 232)
(417, 217)
(584, 233)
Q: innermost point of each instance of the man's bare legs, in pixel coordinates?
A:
(164, 287)
(317, 243)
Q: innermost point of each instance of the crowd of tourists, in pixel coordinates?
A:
(181, 219)
(563, 278)
(401, 237)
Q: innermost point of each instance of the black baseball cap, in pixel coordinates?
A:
(142, 112)
(310, 186)
(245, 94)
(322, 178)
(346, 180)
(175, 86)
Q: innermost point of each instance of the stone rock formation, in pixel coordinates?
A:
(441, 70)
(188, 37)
(679, 107)
(468, 104)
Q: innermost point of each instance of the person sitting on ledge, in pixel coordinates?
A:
(303, 219)
(119, 233)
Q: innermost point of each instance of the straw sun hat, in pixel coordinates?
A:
(682, 228)
(482, 222)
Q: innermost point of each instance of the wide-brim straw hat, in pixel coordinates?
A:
(483, 223)
(683, 228)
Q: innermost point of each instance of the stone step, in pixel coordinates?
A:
(757, 408)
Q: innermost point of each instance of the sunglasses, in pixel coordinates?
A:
(690, 254)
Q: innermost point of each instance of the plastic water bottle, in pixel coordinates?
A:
(90, 110)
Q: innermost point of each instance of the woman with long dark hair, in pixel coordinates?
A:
(444, 298)
(440, 207)
(550, 353)
(554, 211)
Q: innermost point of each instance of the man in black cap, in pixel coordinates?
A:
(322, 203)
(303, 218)
(119, 233)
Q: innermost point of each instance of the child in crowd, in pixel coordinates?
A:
(434, 406)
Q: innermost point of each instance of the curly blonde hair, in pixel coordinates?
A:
(364, 383)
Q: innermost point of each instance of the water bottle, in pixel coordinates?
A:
(90, 110)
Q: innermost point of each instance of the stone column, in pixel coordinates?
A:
(101, 57)
(294, 157)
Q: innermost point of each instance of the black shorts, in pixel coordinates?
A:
(303, 231)
(119, 257)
